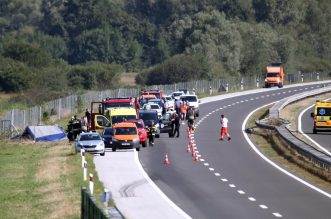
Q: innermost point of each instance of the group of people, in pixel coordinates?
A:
(75, 125)
(178, 116)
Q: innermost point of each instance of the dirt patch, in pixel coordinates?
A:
(50, 169)
(67, 209)
(128, 79)
(50, 188)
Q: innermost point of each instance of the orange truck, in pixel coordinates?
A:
(274, 75)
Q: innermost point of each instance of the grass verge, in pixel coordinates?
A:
(42, 180)
(276, 149)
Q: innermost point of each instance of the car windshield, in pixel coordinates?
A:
(125, 131)
(90, 137)
(168, 98)
(272, 75)
(189, 98)
(177, 94)
(155, 106)
(118, 119)
(107, 131)
(148, 116)
(323, 111)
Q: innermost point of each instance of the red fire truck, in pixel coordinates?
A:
(157, 93)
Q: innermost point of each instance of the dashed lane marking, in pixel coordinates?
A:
(277, 214)
(251, 199)
(263, 206)
(241, 192)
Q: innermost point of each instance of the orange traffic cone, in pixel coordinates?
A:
(188, 149)
(193, 152)
(166, 160)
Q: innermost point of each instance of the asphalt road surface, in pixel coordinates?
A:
(230, 180)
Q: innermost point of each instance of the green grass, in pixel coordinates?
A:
(42, 180)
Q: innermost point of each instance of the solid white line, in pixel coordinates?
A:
(157, 189)
(300, 131)
(271, 162)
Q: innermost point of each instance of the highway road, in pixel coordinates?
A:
(230, 180)
(321, 139)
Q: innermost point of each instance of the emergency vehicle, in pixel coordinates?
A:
(157, 93)
(322, 116)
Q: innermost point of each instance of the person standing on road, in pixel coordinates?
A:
(177, 125)
(224, 128)
(183, 110)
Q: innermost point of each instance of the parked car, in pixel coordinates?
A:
(177, 94)
(192, 100)
(169, 102)
(107, 136)
(125, 136)
(166, 123)
(90, 142)
(153, 106)
(141, 131)
(148, 116)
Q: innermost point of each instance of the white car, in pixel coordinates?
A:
(177, 94)
(169, 101)
(191, 100)
(153, 106)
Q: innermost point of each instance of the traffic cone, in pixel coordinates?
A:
(166, 160)
(196, 158)
(193, 152)
(188, 149)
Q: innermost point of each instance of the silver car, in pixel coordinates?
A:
(90, 142)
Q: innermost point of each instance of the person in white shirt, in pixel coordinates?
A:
(224, 128)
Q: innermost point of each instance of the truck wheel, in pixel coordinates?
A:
(314, 131)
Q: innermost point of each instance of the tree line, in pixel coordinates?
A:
(57, 45)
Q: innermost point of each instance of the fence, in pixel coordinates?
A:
(89, 208)
(70, 105)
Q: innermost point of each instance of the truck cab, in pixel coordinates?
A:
(274, 75)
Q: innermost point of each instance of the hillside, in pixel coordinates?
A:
(88, 43)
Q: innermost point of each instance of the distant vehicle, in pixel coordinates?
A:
(158, 93)
(322, 116)
(141, 131)
(184, 90)
(90, 142)
(166, 124)
(153, 106)
(169, 102)
(107, 135)
(177, 94)
(191, 100)
(148, 116)
(125, 136)
(274, 75)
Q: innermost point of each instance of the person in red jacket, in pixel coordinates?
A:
(224, 128)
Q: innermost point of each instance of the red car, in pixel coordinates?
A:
(141, 130)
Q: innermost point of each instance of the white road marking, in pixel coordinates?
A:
(232, 185)
(263, 206)
(251, 199)
(217, 174)
(224, 180)
(277, 214)
(206, 164)
(300, 131)
(202, 160)
(271, 162)
(199, 155)
(229, 105)
(157, 189)
(241, 192)
(211, 169)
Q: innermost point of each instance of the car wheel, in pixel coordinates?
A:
(144, 144)
(138, 149)
(102, 154)
(113, 149)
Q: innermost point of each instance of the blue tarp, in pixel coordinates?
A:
(45, 133)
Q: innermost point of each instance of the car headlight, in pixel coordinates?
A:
(101, 144)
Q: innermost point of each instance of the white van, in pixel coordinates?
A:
(191, 100)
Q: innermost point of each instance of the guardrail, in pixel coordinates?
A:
(89, 207)
(315, 156)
